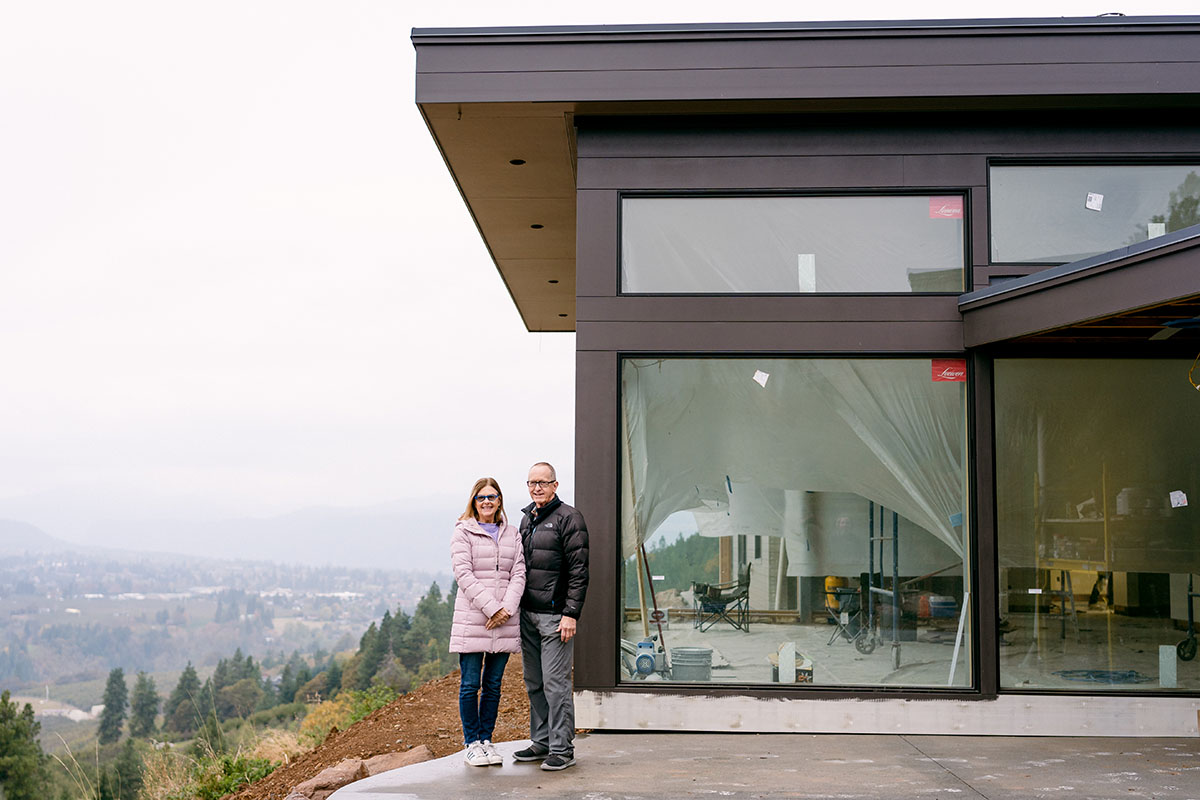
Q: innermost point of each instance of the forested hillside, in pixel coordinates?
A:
(216, 726)
(686, 559)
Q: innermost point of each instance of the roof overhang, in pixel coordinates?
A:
(1124, 297)
(502, 103)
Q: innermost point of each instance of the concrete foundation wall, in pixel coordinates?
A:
(1008, 715)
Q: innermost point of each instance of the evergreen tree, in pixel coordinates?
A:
(370, 652)
(401, 623)
(143, 706)
(181, 712)
(207, 701)
(303, 676)
(116, 698)
(237, 666)
(385, 633)
(104, 786)
(127, 772)
(333, 679)
(287, 684)
(223, 675)
(425, 652)
(23, 773)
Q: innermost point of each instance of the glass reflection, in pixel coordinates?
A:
(792, 245)
(1059, 214)
(1096, 479)
(795, 512)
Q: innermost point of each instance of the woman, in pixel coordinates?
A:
(489, 567)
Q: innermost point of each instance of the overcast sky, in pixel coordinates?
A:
(236, 278)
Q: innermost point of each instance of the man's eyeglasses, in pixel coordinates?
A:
(486, 498)
(540, 484)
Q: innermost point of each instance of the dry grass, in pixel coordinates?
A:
(166, 774)
(170, 772)
(277, 745)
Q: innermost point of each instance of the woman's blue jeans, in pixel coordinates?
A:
(479, 693)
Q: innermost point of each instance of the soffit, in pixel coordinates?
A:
(524, 211)
(1135, 327)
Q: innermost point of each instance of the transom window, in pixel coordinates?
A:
(1060, 214)
(792, 245)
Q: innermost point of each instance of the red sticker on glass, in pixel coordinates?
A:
(950, 369)
(949, 207)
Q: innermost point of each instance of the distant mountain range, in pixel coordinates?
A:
(21, 537)
(392, 536)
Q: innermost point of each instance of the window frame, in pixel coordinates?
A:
(1078, 161)
(925, 192)
(978, 463)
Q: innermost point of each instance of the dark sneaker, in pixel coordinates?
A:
(556, 762)
(530, 753)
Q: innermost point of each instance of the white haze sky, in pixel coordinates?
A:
(236, 278)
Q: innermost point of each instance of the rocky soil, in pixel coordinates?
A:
(427, 716)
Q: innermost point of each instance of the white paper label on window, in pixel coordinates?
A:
(1178, 499)
(807, 272)
(1155, 229)
(761, 377)
(1094, 202)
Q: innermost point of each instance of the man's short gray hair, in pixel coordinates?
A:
(549, 466)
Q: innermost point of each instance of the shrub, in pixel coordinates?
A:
(347, 709)
(225, 774)
(172, 775)
(277, 715)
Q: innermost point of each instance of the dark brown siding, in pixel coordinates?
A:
(597, 486)
(865, 153)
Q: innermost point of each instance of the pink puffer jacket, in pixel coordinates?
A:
(490, 576)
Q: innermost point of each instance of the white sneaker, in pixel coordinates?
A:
(476, 756)
(493, 754)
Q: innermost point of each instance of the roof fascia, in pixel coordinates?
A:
(741, 29)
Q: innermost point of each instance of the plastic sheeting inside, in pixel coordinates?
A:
(744, 455)
(792, 244)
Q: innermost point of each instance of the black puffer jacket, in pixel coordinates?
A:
(556, 559)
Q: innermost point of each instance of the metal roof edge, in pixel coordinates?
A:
(1017, 285)
(861, 26)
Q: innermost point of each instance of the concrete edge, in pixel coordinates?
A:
(1008, 715)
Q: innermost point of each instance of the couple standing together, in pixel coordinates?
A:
(519, 590)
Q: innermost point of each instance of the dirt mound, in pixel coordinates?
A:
(427, 716)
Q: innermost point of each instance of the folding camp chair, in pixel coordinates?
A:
(844, 608)
(724, 602)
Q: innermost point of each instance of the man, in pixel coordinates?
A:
(556, 577)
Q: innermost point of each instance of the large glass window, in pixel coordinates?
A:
(795, 520)
(1059, 214)
(789, 245)
(1097, 478)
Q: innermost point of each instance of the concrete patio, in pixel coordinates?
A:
(649, 766)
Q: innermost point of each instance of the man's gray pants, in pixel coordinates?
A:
(546, 660)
